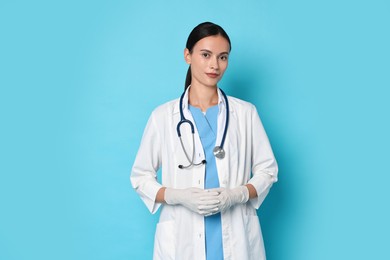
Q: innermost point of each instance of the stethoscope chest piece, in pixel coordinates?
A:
(219, 152)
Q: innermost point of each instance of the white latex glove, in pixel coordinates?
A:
(229, 197)
(203, 202)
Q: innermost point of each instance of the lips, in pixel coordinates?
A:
(212, 75)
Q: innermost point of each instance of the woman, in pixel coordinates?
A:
(216, 160)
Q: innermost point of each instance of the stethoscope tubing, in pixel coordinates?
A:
(227, 119)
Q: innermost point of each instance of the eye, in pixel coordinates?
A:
(224, 57)
(206, 55)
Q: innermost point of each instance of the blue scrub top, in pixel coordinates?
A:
(207, 126)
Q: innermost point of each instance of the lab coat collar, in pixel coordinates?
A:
(221, 101)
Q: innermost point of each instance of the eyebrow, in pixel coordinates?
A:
(222, 53)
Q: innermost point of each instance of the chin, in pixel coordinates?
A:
(212, 83)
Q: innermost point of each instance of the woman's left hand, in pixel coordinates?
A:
(229, 197)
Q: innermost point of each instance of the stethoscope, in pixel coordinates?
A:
(218, 150)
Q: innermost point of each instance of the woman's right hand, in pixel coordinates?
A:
(203, 202)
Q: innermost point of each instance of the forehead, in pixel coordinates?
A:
(215, 43)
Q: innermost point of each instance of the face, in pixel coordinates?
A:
(208, 60)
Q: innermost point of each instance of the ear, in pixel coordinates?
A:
(187, 56)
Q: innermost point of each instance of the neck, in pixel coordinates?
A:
(203, 98)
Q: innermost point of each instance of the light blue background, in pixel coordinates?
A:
(80, 78)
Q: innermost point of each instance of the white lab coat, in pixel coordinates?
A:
(249, 159)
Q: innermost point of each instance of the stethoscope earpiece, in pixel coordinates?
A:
(184, 167)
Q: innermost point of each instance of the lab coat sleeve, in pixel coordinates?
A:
(264, 166)
(147, 162)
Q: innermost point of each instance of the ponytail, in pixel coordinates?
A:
(188, 79)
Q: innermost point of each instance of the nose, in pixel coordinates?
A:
(214, 63)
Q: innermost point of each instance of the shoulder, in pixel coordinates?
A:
(241, 105)
(165, 109)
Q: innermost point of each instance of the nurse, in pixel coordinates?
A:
(217, 165)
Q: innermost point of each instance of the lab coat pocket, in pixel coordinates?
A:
(165, 240)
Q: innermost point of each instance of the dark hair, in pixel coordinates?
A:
(201, 31)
